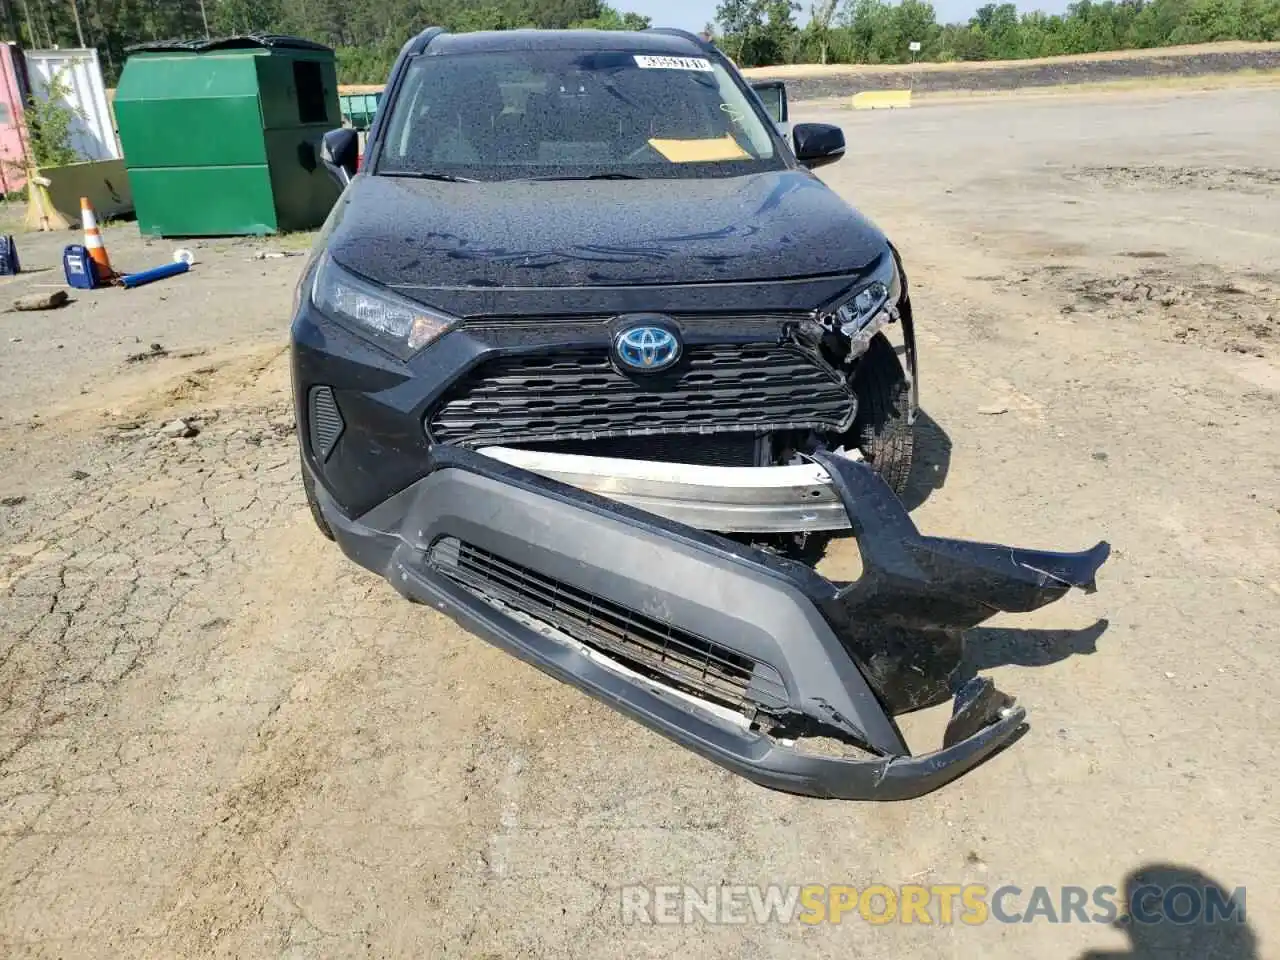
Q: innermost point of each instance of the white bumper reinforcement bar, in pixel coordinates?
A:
(728, 499)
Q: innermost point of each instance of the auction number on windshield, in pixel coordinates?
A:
(673, 63)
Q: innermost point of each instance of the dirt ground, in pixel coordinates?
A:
(219, 737)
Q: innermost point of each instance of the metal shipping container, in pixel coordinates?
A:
(13, 137)
(92, 134)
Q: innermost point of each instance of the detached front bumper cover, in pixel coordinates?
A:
(734, 653)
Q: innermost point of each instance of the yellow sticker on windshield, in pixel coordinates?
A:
(700, 151)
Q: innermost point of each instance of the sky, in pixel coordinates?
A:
(693, 14)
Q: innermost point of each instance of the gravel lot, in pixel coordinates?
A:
(217, 737)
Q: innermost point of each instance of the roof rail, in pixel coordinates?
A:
(423, 40)
(676, 32)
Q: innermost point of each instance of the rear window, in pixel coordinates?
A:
(514, 115)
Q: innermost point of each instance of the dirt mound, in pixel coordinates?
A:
(1018, 75)
(1237, 179)
(1194, 304)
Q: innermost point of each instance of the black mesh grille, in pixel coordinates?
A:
(325, 421)
(653, 647)
(716, 450)
(577, 394)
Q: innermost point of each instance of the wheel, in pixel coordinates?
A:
(881, 430)
(309, 489)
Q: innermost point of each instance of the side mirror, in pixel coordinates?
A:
(338, 152)
(773, 94)
(818, 144)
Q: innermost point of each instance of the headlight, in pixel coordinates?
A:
(396, 322)
(873, 305)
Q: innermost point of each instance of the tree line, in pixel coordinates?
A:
(765, 32)
(368, 41)
(366, 34)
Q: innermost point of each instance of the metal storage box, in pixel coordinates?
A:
(222, 137)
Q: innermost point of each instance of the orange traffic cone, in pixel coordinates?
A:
(93, 243)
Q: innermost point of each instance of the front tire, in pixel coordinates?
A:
(882, 430)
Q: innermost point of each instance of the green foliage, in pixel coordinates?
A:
(875, 31)
(757, 32)
(367, 47)
(367, 34)
(879, 31)
(611, 19)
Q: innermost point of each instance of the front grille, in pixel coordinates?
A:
(648, 645)
(577, 394)
(715, 450)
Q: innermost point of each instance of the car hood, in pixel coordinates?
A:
(421, 234)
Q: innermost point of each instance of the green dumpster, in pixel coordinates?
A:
(222, 137)
(359, 109)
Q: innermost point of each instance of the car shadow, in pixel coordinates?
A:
(987, 647)
(1171, 911)
(930, 462)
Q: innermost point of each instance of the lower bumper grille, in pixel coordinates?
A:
(650, 646)
(714, 450)
(577, 394)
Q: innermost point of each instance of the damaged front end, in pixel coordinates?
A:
(739, 655)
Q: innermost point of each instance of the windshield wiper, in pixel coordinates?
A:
(417, 175)
(595, 176)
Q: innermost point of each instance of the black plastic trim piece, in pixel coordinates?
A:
(845, 651)
(580, 394)
(324, 421)
(247, 41)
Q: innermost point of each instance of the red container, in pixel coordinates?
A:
(13, 138)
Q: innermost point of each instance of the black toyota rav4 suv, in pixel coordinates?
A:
(582, 334)
(588, 253)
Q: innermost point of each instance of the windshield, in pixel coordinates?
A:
(573, 113)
